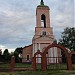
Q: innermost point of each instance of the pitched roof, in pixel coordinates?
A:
(27, 46)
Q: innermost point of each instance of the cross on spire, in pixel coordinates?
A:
(41, 3)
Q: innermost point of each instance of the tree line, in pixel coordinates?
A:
(68, 38)
(6, 56)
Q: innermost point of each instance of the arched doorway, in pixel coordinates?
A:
(67, 55)
(37, 61)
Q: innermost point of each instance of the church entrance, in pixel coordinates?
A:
(37, 61)
(56, 62)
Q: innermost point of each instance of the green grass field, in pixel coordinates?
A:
(7, 65)
(52, 70)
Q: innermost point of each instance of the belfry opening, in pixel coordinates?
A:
(43, 20)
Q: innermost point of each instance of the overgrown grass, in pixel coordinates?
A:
(23, 65)
(57, 66)
(50, 72)
(7, 65)
(51, 66)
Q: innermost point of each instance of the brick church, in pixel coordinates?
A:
(43, 36)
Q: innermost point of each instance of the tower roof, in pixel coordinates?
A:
(42, 4)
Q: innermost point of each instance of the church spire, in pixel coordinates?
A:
(41, 3)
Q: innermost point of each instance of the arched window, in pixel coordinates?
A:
(44, 33)
(27, 57)
(43, 20)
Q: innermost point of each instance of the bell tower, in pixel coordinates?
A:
(42, 15)
(42, 38)
(43, 32)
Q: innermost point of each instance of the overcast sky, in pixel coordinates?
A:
(18, 20)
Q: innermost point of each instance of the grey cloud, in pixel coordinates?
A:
(64, 15)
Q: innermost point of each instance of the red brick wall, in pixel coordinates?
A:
(27, 51)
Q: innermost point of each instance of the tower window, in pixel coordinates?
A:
(43, 33)
(43, 20)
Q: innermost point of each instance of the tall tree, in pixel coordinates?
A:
(6, 55)
(19, 50)
(17, 53)
(68, 38)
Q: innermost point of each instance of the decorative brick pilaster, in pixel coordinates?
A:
(69, 63)
(44, 63)
(34, 63)
(12, 63)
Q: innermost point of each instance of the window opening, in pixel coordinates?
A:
(43, 21)
(44, 33)
(27, 57)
